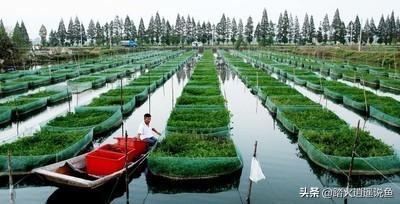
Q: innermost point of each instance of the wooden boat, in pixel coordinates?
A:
(74, 172)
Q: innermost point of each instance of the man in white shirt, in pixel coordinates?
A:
(145, 132)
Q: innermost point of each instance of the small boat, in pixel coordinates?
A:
(96, 168)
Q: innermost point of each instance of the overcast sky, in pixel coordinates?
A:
(49, 12)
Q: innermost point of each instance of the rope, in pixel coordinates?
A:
(145, 198)
(23, 178)
(341, 171)
(240, 195)
(372, 166)
(112, 190)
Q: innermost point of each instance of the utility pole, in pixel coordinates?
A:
(351, 34)
(212, 34)
(109, 35)
(359, 40)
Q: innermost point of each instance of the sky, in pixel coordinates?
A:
(34, 13)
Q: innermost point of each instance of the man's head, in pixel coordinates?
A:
(147, 118)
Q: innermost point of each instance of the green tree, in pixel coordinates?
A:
(336, 27)
(221, 29)
(107, 31)
(7, 48)
(342, 33)
(285, 27)
(209, 32)
(297, 35)
(240, 29)
(99, 34)
(234, 31)
(279, 27)
(83, 35)
(398, 29)
(167, 33)
(77, 31)
(311, 31)
(24, 32)
(372, 30)
(357, 29)
(43, 35)
(19, 41)
(61, 32)
(350, 32)
(127, 28)
(150, 31)
(91, 32)
(305, 31)
(320, 37)
(257, 33)
(53, 39)
(391, 29)
(264, 28)
(71, 32)
(133, 30)
(248, 32)
(178, 32)
(326, 28)
(381, 31)
(142, 31)
(366, 33)
(157, 28)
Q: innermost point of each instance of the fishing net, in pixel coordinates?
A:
(127, 107)
(110, 123)
(12, 87)
(193, 168)
(390, 85)
(110, 77)
(27, 106)
(376, 112)
(362, 165)
(5, 115)
(62, 94)
(21, 164)
(357, 105)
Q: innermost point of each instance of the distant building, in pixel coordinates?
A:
(196, 44)
(128, 43)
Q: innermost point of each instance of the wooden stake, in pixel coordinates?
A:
(126, 149)
(149, 93)
(251, 182)
(10, 179)
(352, 159)
(69, 99)
(172, 91)
(365, 97)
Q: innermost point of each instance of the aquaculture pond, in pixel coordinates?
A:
(286, 166)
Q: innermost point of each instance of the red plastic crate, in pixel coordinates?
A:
(139, 145)
(132, 152)
(102, 162)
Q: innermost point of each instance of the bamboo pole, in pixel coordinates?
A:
(149, 93)
(126, 148)
(10, 179)
(251, 182)
(352, 159)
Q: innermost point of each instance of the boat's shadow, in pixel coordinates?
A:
(157, 184)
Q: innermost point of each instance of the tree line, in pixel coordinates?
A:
(287, 30)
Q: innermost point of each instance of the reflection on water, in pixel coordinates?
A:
(167, 186)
